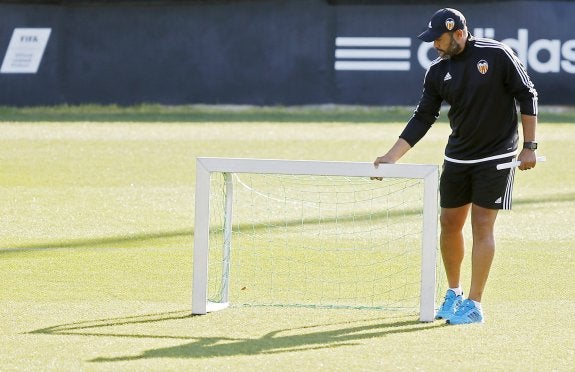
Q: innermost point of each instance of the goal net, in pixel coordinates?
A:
(315, 234)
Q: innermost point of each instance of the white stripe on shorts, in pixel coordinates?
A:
(509, 190)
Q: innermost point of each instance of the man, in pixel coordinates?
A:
(482, 80)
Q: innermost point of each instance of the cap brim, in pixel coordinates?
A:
(429, 35)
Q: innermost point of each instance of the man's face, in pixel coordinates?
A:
(446, 45)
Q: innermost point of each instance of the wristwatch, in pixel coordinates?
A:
(530, 145)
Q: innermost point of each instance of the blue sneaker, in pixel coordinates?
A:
(449, 306)
(467, 313)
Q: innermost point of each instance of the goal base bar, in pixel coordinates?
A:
(211, 307)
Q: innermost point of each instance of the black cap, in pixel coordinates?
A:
(444, 20)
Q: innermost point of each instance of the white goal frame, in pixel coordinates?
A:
(205, 166)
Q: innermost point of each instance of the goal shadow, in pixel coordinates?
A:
(311, 337)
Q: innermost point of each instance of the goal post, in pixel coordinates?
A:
(228, 167)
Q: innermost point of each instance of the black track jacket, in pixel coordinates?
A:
(482, 85)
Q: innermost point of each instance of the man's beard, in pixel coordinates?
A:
(451, 50)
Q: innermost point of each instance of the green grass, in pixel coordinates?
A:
(97, 234)
(204, 113)
(152, 113)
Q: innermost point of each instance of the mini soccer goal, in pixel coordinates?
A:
(314, 234)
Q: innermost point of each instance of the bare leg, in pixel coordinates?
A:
(452, 242)
(482, 222)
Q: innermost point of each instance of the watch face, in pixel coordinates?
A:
(530, 145)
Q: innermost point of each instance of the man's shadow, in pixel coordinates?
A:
(317, 336)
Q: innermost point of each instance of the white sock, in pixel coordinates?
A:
(477, 305)
(458, 291)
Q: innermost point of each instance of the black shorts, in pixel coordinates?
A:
(479, 183)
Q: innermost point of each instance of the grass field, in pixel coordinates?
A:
(97, 237)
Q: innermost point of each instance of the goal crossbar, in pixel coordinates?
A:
(206, 166)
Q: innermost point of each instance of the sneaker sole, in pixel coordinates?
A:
(451, 323)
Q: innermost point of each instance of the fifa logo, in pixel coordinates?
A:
(482, 66)
(449, 23)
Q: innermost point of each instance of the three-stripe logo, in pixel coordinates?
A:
(373, 53)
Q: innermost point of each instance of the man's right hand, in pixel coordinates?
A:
(393, 155)
(381, 160)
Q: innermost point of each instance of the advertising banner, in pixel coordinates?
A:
(277, 52)
(378, 58)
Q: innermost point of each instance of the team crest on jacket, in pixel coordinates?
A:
(449, 23)
(482, 66)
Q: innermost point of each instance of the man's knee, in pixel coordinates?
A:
(483, 222)
(453, 219)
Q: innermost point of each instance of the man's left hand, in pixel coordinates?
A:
(528, 159)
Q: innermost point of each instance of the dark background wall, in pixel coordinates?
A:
(274, 52)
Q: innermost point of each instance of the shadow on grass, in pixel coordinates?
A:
(152, 113)
(554, 198)
(134, 238)
(96, 242)
(313, 337)
(82, 328)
